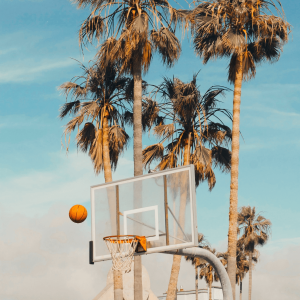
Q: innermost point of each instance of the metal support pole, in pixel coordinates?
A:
(214, 261)
(117, 210)
(166, 210)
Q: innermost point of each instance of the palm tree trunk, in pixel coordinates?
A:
(250, 275)
(241, 290)
(118, 278)
(106, 158)
(138, 157)
(172, 288)
(137, 118)
(196, 282)
(233, 213)
(210, 290)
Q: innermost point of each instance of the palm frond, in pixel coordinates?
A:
(152, 153)
(92, 27)
(118, 142)
(69, 108)
(74, 89)
(222, 158)
(167, 44)
(86, 136)
(164, 130)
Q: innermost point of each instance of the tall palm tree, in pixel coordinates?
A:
(198, 262)
(97, 108)
(256, 232)
(191, 124)
(249, 33)
(132, 31)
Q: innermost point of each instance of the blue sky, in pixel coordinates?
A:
(39, 38)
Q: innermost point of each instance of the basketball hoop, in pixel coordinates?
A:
(121, 248)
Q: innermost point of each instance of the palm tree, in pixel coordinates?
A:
(256, 232)
(249, 32)
(196, 135)
(198, 262)
(97, 107)
(208, 273)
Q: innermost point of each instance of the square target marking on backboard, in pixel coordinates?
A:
(160, 206)
(140, 223)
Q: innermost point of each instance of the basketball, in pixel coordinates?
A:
(78, 213)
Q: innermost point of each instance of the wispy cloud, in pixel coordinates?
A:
(262, 116)
(272, 111)
(6, 51)
(30, 71)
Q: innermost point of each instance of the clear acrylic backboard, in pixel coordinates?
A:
(160, 206)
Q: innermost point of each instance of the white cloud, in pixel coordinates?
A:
(68, 181)
(277, 275)
(46, 257)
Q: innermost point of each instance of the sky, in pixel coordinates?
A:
(42, 254)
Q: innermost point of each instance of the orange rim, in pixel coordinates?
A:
(114, 239)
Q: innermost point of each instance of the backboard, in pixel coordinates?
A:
(160, 206)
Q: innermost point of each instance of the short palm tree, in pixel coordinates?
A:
(97, 108)
(242, 262)
(208, 273)
(198, 262)
(249, 33)
(256, 231)
(192, 125)
(243, 266)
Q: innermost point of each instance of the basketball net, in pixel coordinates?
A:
(121, 248)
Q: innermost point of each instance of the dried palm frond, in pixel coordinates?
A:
(165, 131)
(152, 153)
(118, 141)
(74, 89)
(165, 41)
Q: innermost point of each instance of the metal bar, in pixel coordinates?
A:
(91, 253)
(214, 261)
(178, 224)
(117, 210)
(166, 210)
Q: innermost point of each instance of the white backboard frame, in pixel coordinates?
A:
(193, 215)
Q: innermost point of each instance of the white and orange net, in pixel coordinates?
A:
(121, 248)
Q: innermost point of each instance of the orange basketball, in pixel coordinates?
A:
(78, 213)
